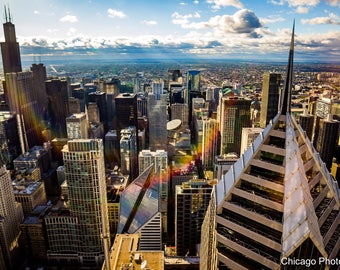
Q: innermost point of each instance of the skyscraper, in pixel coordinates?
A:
(57, 97)
(10, 48)
(128, 152)
(157, 116)
(77, 126)
(159, 159)
(22, 100)
(270, 97)
(126, 111)
(192, 200)
(327, 140)
(85, 176)
(234, 114)
(39, 78)
(210, 142)
(277, 203)
(11, 216)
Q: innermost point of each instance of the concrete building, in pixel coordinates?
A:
(191, 202)
(128, 152)
(210, 142)
(77, 126)
(82, 237)
(233, 115)
(11, 216)
(270, 97)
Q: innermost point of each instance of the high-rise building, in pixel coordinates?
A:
(139, 210)
(159, 159)
(192, 200)
(39, 78)
(307, 122)
(193, 89)
(77, 126)
(210, 142)
(157, 115)
(57, 96)
(327, 140)
(9, 139)
(180, 111)
(126, 111)
(129, 152)
(10, 48)
(157, 87)
(270, 97)
(22, 100)
(85, 176)
(10, 218)
(100, 99)
(277, 205)
(234, 114)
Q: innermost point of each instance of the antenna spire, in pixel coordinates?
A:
(7, 15)
(287, 94)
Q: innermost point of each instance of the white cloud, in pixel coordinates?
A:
(71, 31)
(296, 3)
(69, 18)
(149, 22)
(112, 13)
(183, 4)
(36, 12)
(302, 9)
(272, 19)
(333, 3)
(217, 4)
(183, 19)
(331, 19)
(196, 2)
(280, 2)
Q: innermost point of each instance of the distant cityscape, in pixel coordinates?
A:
(152, 164)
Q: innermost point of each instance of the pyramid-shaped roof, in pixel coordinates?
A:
(278, 200)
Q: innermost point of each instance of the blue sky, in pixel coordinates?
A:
(230, 29)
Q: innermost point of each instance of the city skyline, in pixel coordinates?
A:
(205, 29)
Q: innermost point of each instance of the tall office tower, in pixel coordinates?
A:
(270, 97)
(77, 126)
(10, 218)
(175, 75)
(157, 116)
(277, 204)
(142, 105)
(9, 139)
(193, 89)
(129, 152)
(100, 99)
(126, 111)
(73, 105)
(249, 135)
(327, 140)
(307, 122)
(157, 87)
(139, 211)
(234, 114)
(81, 95)
(177, 92)
(111, 147)
(22, 101)
(210, 142)
(192, 200)
(39, 86)
(10, 48)
(57, 97)
(93, 113)
(180, 111)
(85, 176)
(159, 159)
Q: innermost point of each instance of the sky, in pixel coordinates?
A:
(168, 29)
